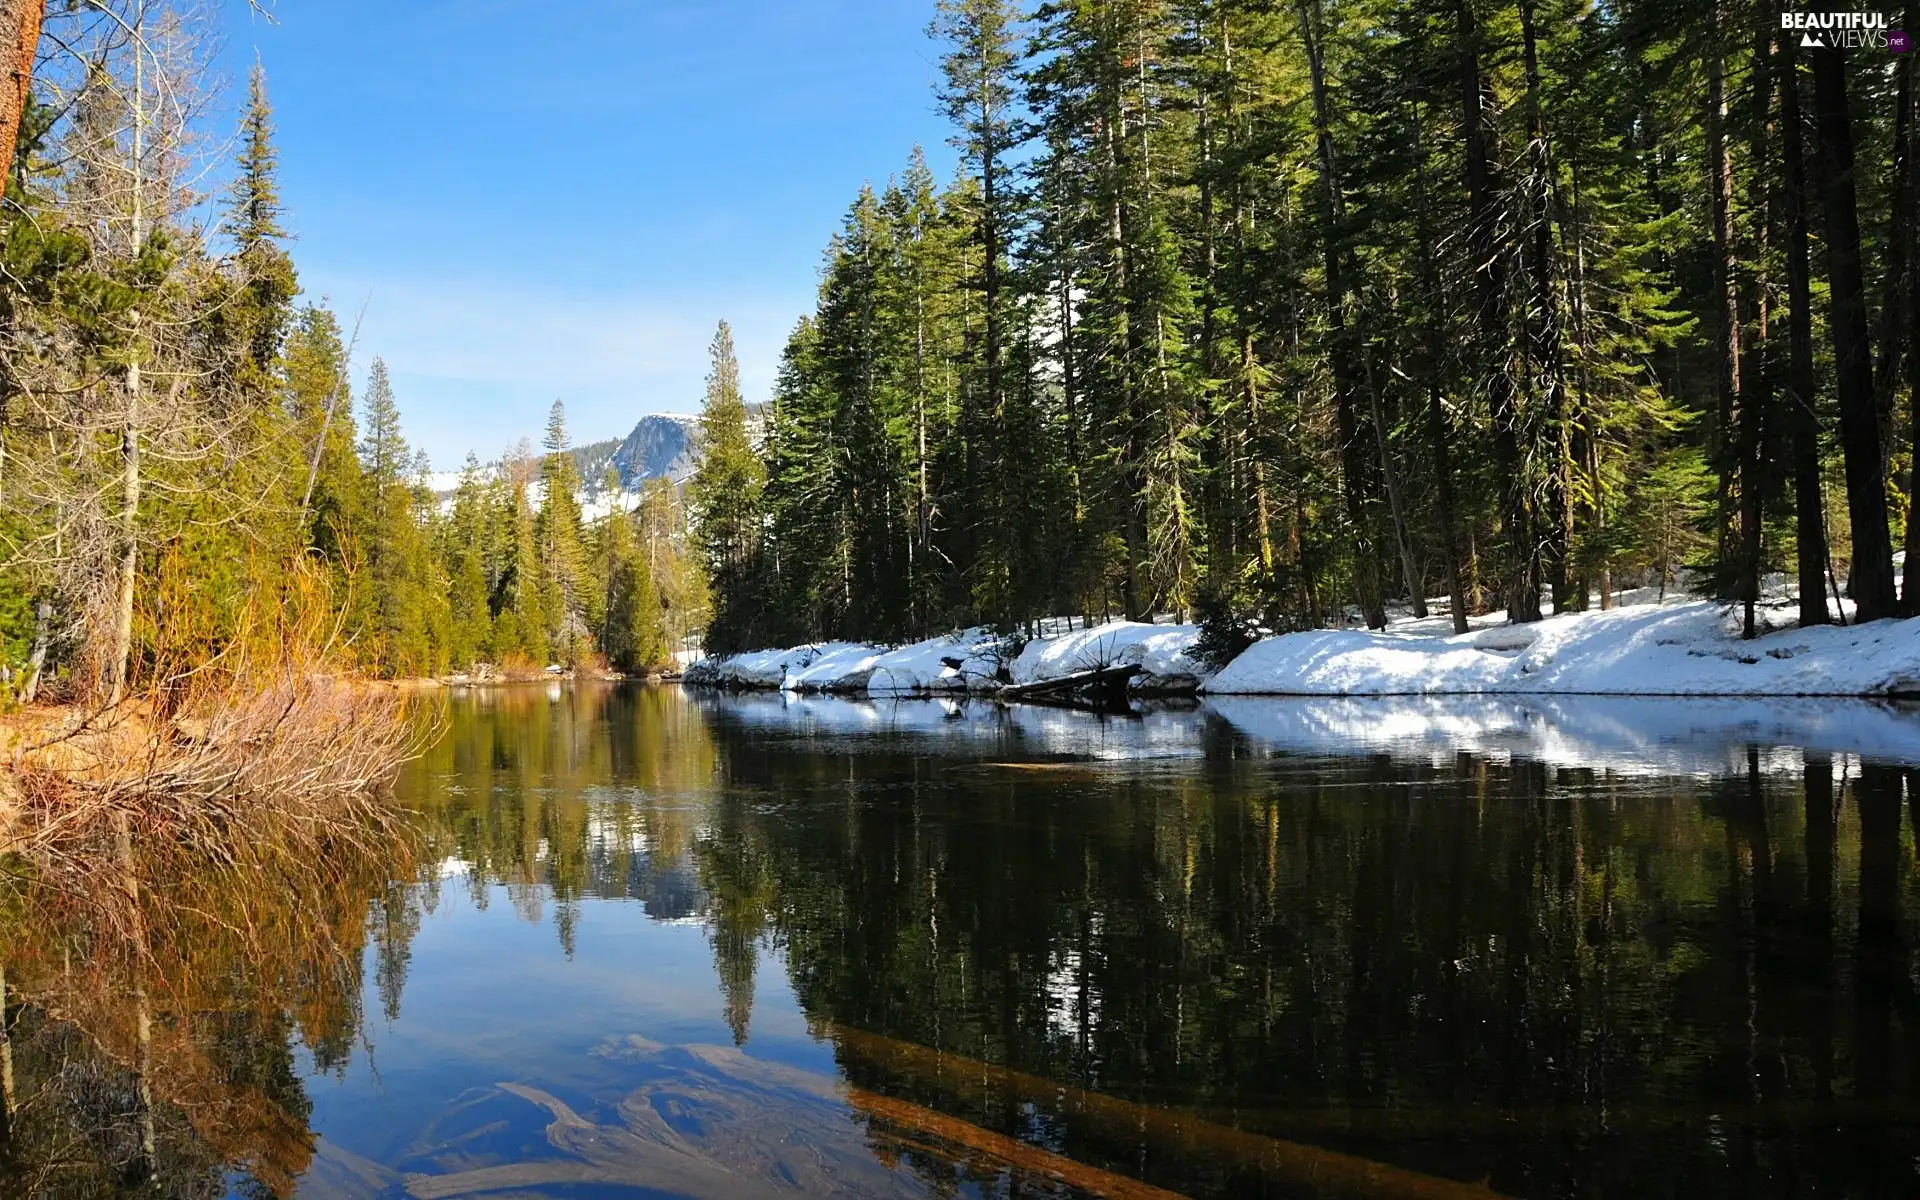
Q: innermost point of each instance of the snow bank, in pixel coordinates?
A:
(970, 661)
(827, 667)
(1685, 648)
(752, 669)
(956, 663)
(1162, 652)
(836, 666)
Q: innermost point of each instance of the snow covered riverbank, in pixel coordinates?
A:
(1679, 648)
(1683, 648)
(973, 661)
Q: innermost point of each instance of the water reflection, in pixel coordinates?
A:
(159, 1038)
(719, 946)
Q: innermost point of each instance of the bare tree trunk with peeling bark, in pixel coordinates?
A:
(130, 430)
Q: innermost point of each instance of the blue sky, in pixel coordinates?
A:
(560, 200)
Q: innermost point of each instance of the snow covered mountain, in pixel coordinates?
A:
(660, 445)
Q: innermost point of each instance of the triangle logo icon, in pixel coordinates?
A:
(1807, 39)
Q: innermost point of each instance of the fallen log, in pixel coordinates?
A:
(1327, 1172)
(1105, 682)
(998, 1148)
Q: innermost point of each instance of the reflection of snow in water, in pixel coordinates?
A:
(971, 727)
(1066, 983)
(1637, 735)
(611, 828)
(1641, 735)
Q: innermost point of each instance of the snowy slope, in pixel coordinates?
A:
(967, 661)
(1161, 651)
(824, 667)
(1684, 648)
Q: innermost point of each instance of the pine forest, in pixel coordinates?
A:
(1278, 315)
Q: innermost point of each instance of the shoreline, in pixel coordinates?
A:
(1676, 648)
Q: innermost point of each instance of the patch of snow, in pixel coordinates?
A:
(831, 666)
(1161, 652)
(751, 669)
(954, 663)
(836, 666)
(1681, 648)
(600, 505)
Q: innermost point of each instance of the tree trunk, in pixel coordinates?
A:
(1894, 346)
(37, 657)
(1521, 570)
(1873, 594)
(1589, 423)
(1410, 573)
(1726, 293)
(1439, 442)
(1543, 325)
(990, 268)
(1756, 395)
(1133, 453)
(1353, 470)
(1802, 418)
(122, 646)
(20, 33)
(1907, 201)
(1248, 385)
(7, 1104)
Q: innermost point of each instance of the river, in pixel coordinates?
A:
(645, 942)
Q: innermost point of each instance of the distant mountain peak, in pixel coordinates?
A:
(660, 445)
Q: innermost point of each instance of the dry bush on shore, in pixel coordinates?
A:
(245, 757)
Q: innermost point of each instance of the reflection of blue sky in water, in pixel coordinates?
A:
(491, 999)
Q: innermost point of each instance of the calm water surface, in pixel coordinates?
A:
(655, 944)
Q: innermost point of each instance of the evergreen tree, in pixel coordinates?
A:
(726, 495)
(467, 536)
(322, 410)
(561, 593)
(522, 626)
(260, 313)
(393, 602)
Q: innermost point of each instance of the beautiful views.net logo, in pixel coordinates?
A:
(1845, 31)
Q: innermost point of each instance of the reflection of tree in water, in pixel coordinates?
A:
(589, 795)
(594, 794)
(157, 1067)
(1556, 978)
(739, 883)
